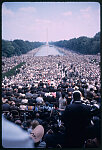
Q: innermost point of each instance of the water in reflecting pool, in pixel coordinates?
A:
(48, 50)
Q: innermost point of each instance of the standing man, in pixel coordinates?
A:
(76, 117)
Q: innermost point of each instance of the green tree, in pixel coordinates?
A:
(82, 44)
(8, 49)
(18, 47)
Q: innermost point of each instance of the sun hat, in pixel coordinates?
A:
(37, 133)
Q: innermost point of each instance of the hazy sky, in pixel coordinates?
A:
(63, 20)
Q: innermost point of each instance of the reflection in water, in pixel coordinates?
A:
(48, 50)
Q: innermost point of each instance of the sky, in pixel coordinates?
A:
(49, 21)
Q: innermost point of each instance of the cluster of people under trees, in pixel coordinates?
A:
(53, 102)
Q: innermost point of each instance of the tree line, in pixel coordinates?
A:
(13, 71)
(83, 45)
(18, 47)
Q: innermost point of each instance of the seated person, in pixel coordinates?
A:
(39, 99)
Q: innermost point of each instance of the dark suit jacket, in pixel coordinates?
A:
(77, 116)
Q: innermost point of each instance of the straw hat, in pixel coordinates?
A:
(37, 133)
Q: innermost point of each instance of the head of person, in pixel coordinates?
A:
(76, 95)
(18, 122)
(37, 115)
(69, 94)
(34, 124)
(63, 95)
(39, 95)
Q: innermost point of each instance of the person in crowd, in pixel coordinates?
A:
(37, 117)
(34, 123)
(39, 99)
(69, 97)
(91, 94)
(18, 122)
(29, 128)
(13, 106)
(77, 118)
(62, 102)
(5, 106)
(23, 107)
(53, 137)
(28, 94)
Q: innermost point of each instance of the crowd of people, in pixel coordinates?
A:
(9, 63)
(53, 102)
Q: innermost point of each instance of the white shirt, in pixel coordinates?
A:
(62, 103)
(39, 100)
(13, 136)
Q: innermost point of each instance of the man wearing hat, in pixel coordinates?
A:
(76, 117)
